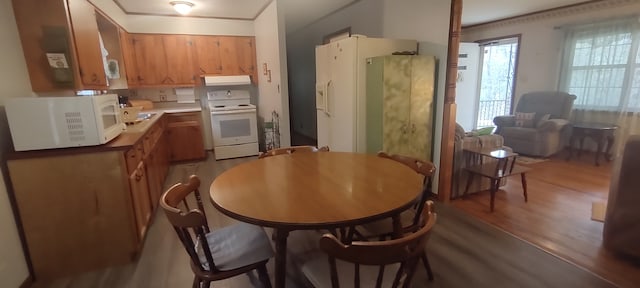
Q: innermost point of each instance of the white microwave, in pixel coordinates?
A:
(58, 122)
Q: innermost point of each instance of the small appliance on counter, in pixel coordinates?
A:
(129, 115)
(58, 122)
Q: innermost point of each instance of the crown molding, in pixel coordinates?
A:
(553, 13)
(205, 17)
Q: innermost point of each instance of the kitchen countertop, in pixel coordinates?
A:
(124, 141)
(134, 132)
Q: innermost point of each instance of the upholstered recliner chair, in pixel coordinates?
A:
(540, 124)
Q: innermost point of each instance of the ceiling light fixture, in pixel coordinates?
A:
(182, 7)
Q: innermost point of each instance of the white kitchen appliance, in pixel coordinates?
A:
(58, 122)
(340, 89)
(233, 123)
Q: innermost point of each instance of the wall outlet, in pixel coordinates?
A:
(162, 94)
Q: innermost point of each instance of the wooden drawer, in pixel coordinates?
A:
(183, 117)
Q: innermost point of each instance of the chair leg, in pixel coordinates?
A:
(196, 282)
(199, 283)
(469, 180)
(263, 275)
(524, 186)
(425, 261)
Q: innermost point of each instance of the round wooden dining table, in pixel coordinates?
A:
(314, 190)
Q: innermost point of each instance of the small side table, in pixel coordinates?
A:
(599, 132)
(503, 167)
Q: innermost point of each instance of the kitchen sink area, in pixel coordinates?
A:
(145, 115)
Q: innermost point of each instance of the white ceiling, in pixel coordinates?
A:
(299, 13)
(482, 11)
(233, 9)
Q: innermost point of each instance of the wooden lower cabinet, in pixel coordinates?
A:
(91, 210)
(141, 200)
(185, 136)
(76, 212)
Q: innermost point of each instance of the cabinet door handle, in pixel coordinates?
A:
(94, 78)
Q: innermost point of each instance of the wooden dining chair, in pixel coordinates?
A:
(387, 263)
(290, 150)
(407, 221)
(221, 253)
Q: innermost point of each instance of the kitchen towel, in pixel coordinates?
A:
(186, 95)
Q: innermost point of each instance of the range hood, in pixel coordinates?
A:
(232, 80)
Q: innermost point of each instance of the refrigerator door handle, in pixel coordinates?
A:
(321, 95)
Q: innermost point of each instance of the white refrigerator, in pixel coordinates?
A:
(340, 89)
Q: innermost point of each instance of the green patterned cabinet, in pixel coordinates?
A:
(400, 95)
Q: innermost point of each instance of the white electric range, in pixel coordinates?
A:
(233, 123)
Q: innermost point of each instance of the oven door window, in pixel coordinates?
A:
(234, 128)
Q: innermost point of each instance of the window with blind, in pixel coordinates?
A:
(602, 66)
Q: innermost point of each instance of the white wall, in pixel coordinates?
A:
(542, 44)
(364, 17)
(273, 96)
(14, 82)
(174, 25)
(467, 86)
(424, 20)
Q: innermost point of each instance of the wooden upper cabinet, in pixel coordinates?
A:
(159, 60)
(207, 49)
(226, 55)
(69, 32)
(87, 44)
(179, 58)
(246, 55)
(229, 55)
(129, 57)
(149, 59)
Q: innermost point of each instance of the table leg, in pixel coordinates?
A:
(281, 256)
(494, 188)
(600, 141)
(572, 140)
(610, 140)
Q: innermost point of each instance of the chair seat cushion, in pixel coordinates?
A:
(236, 246)
(318, 273)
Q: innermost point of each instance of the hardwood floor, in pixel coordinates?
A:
(557, 216)
(463, 251)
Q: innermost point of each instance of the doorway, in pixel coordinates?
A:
(499, 62)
